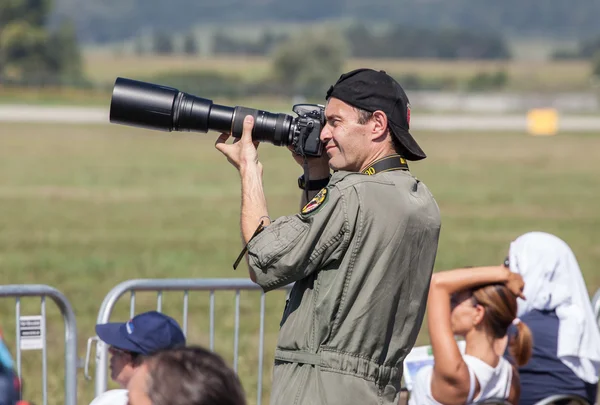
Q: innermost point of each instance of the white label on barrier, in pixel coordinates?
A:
(32, 332)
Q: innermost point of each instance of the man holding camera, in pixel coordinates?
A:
(361, 251)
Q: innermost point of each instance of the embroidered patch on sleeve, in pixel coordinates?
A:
(318, 200)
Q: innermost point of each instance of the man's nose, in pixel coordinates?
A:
(325, 134)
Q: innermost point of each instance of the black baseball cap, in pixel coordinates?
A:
(373, 90)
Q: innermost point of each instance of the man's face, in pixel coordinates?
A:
(121, 366)
(137, 387)
(345, 140)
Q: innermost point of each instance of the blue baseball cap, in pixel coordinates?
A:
(145, 333)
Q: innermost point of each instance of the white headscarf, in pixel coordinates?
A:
(553, 281)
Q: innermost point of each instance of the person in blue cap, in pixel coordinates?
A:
(129, 342)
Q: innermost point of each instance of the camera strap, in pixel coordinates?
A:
(306, 177)
(258, 230)
(386, 164)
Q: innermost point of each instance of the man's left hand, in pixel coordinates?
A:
(242, 153)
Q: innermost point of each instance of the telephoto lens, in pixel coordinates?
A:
(162, 108)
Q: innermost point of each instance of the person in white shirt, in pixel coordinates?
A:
(479, 304)
(111, 397)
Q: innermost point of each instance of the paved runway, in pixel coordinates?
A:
(436, 122)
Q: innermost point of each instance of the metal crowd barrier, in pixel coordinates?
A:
(43, 291)
(185, 286)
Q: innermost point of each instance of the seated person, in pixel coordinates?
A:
(185, 376)
(130, 342)
(478, 304)
(566, 351)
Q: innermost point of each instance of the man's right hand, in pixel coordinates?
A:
(318, 167)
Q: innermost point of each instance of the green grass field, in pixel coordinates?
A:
(86, 207)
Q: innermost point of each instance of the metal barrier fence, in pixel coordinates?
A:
(185, 286)
(43, 291)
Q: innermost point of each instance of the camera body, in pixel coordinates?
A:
(308, 125)
(162, 108)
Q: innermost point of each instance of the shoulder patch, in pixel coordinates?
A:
(319, 199)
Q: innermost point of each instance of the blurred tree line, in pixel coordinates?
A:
(360, 41)
(403, 42)
(299, 58)
(33, 53)
(112, 20)
(37, 49)
(588, 48)
(304, 64)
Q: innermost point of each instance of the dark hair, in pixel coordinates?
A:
(364, 116)
(500, 311)
(192, 376)
(136, 358)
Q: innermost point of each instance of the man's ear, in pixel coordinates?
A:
(379, 124)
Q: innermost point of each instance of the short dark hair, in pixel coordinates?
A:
(192, 376)
(364, 116)
(136, 359)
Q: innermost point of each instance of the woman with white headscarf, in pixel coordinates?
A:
(566, 350)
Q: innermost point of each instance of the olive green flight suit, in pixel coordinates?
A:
(361, 256)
